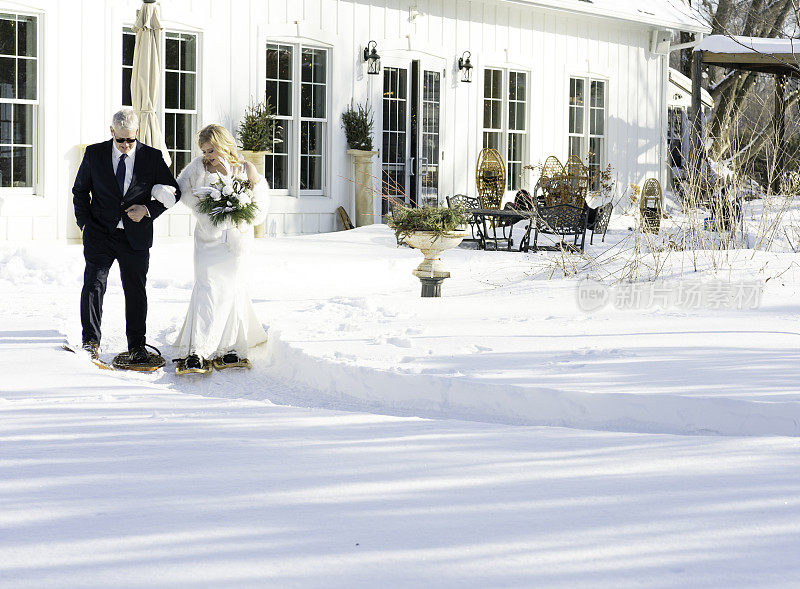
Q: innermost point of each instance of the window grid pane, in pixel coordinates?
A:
(431, 91)
(279, 78)
(276, 164)
(313, 108)
(591, 136)
(180, 96)
(128, 43)
(18, 81)
(395, 124)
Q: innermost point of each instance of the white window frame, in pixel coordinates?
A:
(504, 130)
(194, 113)
(587, 108)
(296, 118)
(162, 109)
(36, 147)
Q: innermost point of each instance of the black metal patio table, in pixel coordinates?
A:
(488, 221)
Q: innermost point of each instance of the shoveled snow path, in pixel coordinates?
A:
(108, 481)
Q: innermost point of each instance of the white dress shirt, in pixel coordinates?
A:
(129, 159)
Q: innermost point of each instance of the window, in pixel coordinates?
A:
(18, 99)
(675, 136)
(128, 43)
(179, 91)
(587, 124)
(297, 88)
(180, 97)
(505, 95)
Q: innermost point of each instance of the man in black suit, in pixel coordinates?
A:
(115, 208)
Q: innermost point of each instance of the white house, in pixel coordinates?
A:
(549, 77)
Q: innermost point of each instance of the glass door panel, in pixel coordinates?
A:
(395, 132)
(428, 176)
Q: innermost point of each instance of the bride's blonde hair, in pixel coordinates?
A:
(222, 141)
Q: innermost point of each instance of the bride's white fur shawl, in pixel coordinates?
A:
(191, 177)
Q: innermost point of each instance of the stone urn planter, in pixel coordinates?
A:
(362, 161)
(257, 159)
(431, 271)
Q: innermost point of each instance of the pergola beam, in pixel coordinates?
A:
(782, 65)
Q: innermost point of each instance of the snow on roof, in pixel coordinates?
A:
(725, 44)
(683, 86)
(670, 14)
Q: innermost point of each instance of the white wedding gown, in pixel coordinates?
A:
(221, 317)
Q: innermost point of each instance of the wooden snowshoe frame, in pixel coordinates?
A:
(490, 178)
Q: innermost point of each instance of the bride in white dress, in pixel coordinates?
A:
(221, 325)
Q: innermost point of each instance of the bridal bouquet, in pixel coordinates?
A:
(227, 203)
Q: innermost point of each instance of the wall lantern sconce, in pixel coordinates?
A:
(372, 58)
(465, 67)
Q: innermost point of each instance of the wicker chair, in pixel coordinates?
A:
(601, 221)
(651, 206)
(490, 178)
(577, 181)
(551, 181)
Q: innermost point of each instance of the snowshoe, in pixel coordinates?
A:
(140, 359)
(230, 360)
(91, 352)
(192, 364)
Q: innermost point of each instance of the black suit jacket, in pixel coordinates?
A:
(99, 204)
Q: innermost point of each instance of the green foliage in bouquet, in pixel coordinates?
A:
(357, 125)
(257, 128)
(231, 208)
(439, 220)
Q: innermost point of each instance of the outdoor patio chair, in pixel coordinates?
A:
(563, 220)
(490, 178)
(465, 202)
(651, 206)
(601, 221)
(577, 181)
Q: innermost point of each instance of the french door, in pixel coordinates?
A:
(410, 158)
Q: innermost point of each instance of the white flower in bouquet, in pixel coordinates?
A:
(237, 206)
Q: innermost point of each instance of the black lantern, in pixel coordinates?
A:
(465, 67)
(372, 58)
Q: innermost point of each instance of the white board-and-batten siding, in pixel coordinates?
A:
(80, 87)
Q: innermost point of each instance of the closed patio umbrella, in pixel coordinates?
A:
(146, 78)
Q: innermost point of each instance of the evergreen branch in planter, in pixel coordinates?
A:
(357, 123)
(257, 130)
(439, 220)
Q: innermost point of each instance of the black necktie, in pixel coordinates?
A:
(121, 173)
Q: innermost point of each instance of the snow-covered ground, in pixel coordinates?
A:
(498, 436)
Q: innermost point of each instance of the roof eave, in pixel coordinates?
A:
(612, 15)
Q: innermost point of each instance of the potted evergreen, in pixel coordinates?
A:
(357, 123)
(431, 230)
(257, 134)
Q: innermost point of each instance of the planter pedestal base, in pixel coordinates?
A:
(430, 272)
(431, 285)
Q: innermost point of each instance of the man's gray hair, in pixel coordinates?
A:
(125, 119)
